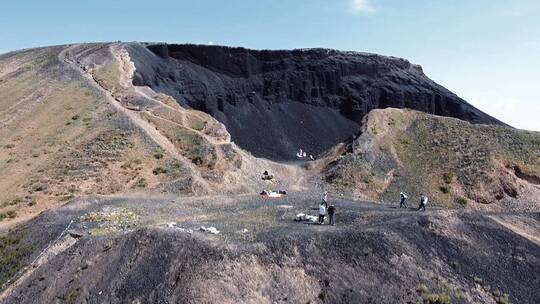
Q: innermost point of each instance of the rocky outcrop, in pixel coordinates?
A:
(274, 102)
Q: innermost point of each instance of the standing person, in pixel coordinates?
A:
(423, 202)
(322, 212)
(403, 200)
(332, 215)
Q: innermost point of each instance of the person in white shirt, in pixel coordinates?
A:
(423, 202)
(322, 213)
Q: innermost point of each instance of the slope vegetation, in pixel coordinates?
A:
(452, 161)
(73, 124)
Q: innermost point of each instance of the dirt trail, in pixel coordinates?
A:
(296, 174)
(144, 125)
(519, 228)
(127, 71)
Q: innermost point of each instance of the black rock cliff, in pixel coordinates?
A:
(276, 102)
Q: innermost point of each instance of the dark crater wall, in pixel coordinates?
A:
(276, 102)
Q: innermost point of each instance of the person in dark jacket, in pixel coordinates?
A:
(332, 215)
(403, 200)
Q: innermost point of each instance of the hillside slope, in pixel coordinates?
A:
(104, 185)
(452, 161)
(276, 102)
(141, 250)
(73, 124)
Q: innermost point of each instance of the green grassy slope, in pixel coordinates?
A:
(452, 161)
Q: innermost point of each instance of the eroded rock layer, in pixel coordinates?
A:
(275, 102)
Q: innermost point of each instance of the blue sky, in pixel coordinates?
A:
(487, 52)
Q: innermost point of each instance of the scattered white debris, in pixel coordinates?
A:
(174, 225)
(302, 217)
(212, 230)
(285, 206)
(244, 230)
(312, 219)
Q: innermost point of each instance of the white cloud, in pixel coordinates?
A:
(362, 7)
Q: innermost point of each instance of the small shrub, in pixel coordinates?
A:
(478, 280)
(444, 189)
(32, 203)
(35, 155)
(439, 298)
(198, 124)
(71, 296)
(75, 117)
(140, 183)
(15, 201)
(67, 197)
(448, 177)
(12, 214)
(159, 170)
(504, 299)
(462, 201)
(422, 288)
(158, 155)
(40, 187)
(2, 216)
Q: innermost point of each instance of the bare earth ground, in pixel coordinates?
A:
(141, 250)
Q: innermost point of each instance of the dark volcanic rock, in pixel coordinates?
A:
(376, 254)
(275, 102)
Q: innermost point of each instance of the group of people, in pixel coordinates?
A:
(330, 210)
(303, 154)
(324, 209)
(404, 197)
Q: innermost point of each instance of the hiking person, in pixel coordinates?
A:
(322, 213)
(403, 200)
(423, 202)
(332, 215)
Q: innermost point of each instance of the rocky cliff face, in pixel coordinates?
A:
(275, 102)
